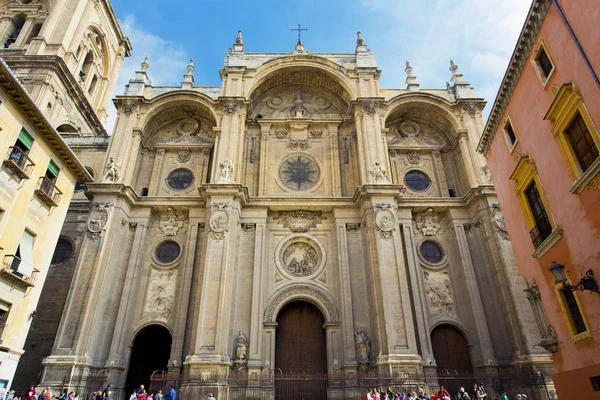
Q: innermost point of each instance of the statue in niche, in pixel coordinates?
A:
(378, 174)
(225, 171)
(242, 346)
(112, 171)
(363, 347)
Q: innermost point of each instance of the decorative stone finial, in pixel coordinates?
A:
(190, 67)
(453, 67)
(359, 39)
(411, 79)
(239, 42)
(145, 64)
(188, 79)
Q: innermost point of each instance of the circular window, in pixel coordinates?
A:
(167, 252)
(180, 179)
(62, 252)
(417, 180)
(432, 252)
(299, 173)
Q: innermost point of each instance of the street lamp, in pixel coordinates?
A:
(586, 283)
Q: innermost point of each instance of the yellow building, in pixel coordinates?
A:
(38, 174)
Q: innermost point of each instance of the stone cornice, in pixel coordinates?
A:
(530, 30)
(57, 64)
(25, 104)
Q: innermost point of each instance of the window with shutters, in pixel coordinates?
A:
(577, 138)
(17, 159)
(541, 226)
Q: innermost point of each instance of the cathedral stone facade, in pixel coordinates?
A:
(298, 218)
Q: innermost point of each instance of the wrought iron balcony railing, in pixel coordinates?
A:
(10, 267)
(48, 192)
(18, 162)
(540, 231)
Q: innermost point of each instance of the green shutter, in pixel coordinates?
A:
(25, 139)
(53, 169)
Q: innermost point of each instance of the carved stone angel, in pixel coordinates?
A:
(378, 174)
(225, 171)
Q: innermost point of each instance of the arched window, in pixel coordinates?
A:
(34, 32)
(14, 29)
(93, 84)
(87, 65)
(66, 128)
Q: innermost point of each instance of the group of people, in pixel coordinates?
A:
(479, 393)
(141, 394)
(46, 394)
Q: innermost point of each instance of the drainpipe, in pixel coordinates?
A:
(585, 59)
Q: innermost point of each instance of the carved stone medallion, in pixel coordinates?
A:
(184, 155)
(300, 257)
(386, 223)
(98, 220)
(219, 224)
(410, 128)
(414, 157)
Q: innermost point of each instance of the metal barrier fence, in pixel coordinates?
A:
(316, 387)
(85, 385)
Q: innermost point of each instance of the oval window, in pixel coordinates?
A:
(62, 252)
(180, 179)
(167, 252)
(417, 181)
(431, 252)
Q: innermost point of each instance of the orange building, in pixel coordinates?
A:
(542, 142)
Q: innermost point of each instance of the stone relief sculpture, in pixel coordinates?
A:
(98, 220)
(241, 346)
(225, 171)
(498, 219)
(171, 222)
(549, 341)
(161, 296)
(486, 176)
(428, 222)
(300, 220)
(112, 171)
(300, 259)
(378, 174)
(184, 155)
(219, 222)
(414, 157)
(439, 293)
(363, 349)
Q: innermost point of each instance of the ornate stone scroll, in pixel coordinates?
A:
(300, 220)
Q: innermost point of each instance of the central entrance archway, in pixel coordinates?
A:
(451, 350)
(151, 351)
(300, 353)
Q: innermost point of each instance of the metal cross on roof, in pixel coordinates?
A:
(299, 29)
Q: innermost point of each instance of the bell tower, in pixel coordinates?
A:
(67, 54)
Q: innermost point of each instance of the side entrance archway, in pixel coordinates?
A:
(451, 350)
(151, 351)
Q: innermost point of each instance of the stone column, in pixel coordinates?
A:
(265, 130)
(231, 143)
(440, 173)
(212, 348)
(479, 323)
(255, 360)
(347, 319)
(370, 138)
(156, 172)
(393, 330)
(417, 285)
(183, 293)
(336, 176)
(122, 331)
(24, 35)
(467, 159)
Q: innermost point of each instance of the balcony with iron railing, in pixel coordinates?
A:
(18, 162)
(48, 192)
(540, 231)
(10, 267)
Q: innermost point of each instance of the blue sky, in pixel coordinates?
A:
(478, 34)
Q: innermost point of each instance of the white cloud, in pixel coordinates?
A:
(478, 34)
(167, 61)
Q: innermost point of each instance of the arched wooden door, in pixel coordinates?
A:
(300, 353)
(451, 350)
